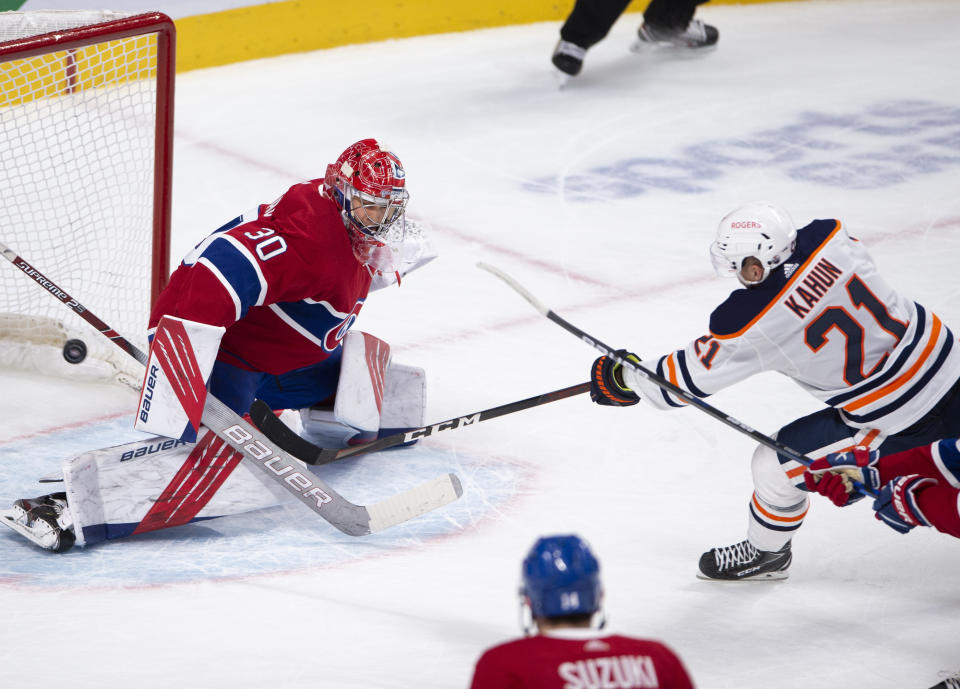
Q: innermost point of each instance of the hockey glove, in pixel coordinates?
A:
(606, 381)
(833, 476)
(897, 506)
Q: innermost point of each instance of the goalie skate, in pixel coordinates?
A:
(742, 561)
(44, 520)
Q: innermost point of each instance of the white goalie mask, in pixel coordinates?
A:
(760, 230)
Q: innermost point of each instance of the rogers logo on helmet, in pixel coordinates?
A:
(745, 224)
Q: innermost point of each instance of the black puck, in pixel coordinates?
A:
(75, 351)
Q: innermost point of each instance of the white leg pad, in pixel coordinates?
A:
(159, 483)
(404, 397)
(363, 367)
(372, 393)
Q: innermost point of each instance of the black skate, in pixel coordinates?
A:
(742, 561)
(697, 35)
(568, 57)
(952, 682)
(44, 520)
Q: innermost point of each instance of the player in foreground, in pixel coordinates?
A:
(260, 308)
(667, 24)
(814, 308)
(916, 487)
(561, 598)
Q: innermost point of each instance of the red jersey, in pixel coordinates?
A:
(576, 658)
(283, 282)
(940, 460)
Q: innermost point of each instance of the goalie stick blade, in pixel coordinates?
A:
(376, 517)
(417, 501)
(309, 489)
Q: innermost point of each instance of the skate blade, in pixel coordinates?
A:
(766, 576)
(561, 78)
(48, 541)
(669, 50)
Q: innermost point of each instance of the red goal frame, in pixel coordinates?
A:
(127, 27)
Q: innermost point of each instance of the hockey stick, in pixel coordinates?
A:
(663, 383)
(288, 440)
(256, 448)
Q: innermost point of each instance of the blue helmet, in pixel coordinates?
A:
(561, 577)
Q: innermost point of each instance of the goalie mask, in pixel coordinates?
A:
(758, 230)
(367, 182)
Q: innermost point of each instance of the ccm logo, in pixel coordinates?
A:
(437, 427)
(264, 455)
(745, 225)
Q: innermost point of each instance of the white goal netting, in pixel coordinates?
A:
(79, 113)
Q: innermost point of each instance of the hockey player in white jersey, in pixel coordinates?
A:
(814, 308)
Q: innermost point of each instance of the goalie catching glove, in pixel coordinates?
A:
(833, 476)
(606, 381)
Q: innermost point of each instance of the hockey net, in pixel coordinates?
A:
(86, 127)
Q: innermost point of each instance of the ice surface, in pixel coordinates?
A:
(601, 199)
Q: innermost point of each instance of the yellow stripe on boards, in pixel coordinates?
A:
(72, 71)
(292, 26)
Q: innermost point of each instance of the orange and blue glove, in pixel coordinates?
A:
(606, 381)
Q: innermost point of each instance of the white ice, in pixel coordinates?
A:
(601, 199)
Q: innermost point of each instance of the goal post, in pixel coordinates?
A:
(86, 138)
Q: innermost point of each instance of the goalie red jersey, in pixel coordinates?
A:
(580, 658)
(283, 281)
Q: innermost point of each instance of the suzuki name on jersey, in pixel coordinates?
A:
(616, 672)
(812, 288)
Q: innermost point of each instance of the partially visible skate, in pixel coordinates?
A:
(951, 682)
(568, 58)
(696, 36)
(45, 520)
(742, 561)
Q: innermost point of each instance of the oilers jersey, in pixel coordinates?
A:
(282, 280)
(826, 319)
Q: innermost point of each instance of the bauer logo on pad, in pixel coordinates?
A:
(182, 355)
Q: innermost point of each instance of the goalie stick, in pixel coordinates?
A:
(288, 440)
(661, 382)
(256, 448)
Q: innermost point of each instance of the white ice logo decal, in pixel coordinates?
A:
(885, 144)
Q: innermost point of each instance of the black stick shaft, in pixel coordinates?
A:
(306, 451)
(61, 295)
(663, 383)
